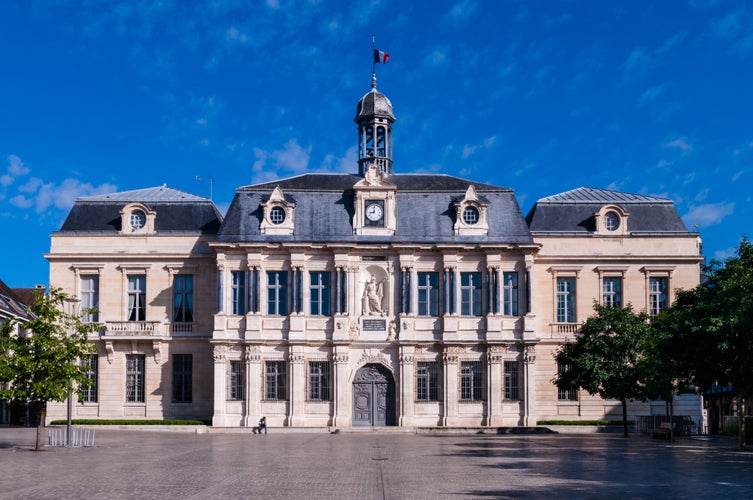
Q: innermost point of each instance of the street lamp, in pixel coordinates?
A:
(70, 305)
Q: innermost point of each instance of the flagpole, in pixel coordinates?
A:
(373, 48)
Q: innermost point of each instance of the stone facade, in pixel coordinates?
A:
(375, 298)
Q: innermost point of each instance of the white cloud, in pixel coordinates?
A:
(16, 168)
(461, 12)
(471, 149)
(680, 143)
(708, 214)
(347, 163)
(292, 158)
(652, 93)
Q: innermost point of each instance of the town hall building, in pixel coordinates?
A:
(375, 298)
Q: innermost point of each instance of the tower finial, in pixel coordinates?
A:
(373, 80)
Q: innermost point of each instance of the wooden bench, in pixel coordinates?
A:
(661, 432)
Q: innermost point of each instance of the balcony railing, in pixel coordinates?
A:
(566, 328)
(133, 328)
(181, 327)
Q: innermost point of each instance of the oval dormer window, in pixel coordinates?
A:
(138, 220)
(277, 215)
(611, 221)
(470, 215)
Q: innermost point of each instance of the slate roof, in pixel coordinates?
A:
(11, 305)
(177, 212)
(325, 208)
(572, 212)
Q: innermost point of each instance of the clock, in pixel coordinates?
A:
(374, 212)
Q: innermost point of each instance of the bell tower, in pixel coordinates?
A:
(374, 118)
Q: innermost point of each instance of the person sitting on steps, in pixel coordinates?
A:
(262, 426)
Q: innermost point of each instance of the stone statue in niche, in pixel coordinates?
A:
(393, 332)
(373, 295)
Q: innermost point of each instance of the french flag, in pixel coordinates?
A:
(380, 57)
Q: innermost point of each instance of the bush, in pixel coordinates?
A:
(94, 421)
(581, 422)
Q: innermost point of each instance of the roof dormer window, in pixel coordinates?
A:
(470, 215)
(136, 218)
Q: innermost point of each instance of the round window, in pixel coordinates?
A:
(277, 215)
(611, 221)
(470, 215)
(138, 219)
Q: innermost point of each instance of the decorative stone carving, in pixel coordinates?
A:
(371, 357)
(354, 330)
(297, 359)
(407, 358)
(392, 336)
(530, 354)
(339, 359)
(252, 354)
(219, 353)
(373, 297)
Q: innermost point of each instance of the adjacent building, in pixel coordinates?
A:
(364, 299)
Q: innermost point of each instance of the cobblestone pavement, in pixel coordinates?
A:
(134, 464)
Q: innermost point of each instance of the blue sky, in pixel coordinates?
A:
(647, 97)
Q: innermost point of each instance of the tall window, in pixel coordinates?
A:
(183, 298)
(566, 394)
(428, 294)
(427, 381)
(657, 295)
(512, 388)
(277, 293)
(470, 294)
(276, 380)
(235, 386)
(320, 293)
(182, 378)
(135, 378)
(90, 362)
(565, 300)
(510, 293)
(238, 293)
(612, 292)
(90, 298)
(137, 297)
(470, 381)
(319, 380)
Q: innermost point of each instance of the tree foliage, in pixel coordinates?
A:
(41, 362)
(604, 358)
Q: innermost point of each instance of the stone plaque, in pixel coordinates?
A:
(374, 325)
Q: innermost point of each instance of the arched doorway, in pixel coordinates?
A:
(373, 396)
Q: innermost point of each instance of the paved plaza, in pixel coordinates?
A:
(372, 465)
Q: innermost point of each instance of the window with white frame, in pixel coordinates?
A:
(319, 380)
(428, 294)
(658, 299)
(470, 294)
(320, 293)
(183, 298)
(470, 381)
(565, 300)
(566, 394)
(275, 380)
(512, 386)
(277, 293)
(427, 381)
(137, 297)
(182, 378)
(89, 298)
(612, 291)
(510, 293)
(90, 362)
(238, 293)
(135, 383)
(236, 385)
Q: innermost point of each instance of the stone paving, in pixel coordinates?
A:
(372, 465)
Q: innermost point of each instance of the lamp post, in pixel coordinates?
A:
(71, 309)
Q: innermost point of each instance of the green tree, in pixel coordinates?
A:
(41, 363)
(604, 358)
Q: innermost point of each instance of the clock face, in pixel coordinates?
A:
(374, 212)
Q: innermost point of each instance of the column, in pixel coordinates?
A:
(252, 366)
(219, 355)
(341, 396)
(494, 381)
(529, 381)
(451, 392)
(407, 386)
(297, 385)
